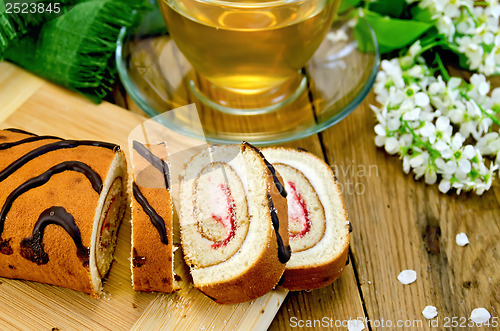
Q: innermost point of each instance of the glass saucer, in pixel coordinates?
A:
(339, 76)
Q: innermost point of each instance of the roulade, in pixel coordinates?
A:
(152, 213)
(318, 223)
(233, 219)
(62, 202)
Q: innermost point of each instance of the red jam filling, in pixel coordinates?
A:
(297, 211)
(224, 214)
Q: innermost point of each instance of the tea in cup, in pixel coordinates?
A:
(250, 53)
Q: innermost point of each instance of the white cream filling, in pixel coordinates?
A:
(116, 170)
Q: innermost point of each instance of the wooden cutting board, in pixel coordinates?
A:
(30, 103)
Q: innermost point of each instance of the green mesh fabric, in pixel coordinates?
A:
(13, 26)
(76, 49)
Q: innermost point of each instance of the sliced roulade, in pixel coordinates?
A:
(233, 219)
(317, 218)
(62, 202)
(152, 212)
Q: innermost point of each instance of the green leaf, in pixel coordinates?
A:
(393, 8)
(345, 5)
(392, 33)
(362, 35)
(421, 15)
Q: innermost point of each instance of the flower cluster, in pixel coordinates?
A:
(470, 30)
(443, 128)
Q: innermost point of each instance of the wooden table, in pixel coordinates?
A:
(398, 224)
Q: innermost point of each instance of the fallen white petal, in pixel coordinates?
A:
(407, 276)
(462, 239)
(480, 315)
(429, 312)
(355, 325)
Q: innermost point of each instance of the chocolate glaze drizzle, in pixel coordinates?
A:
(20, 131)
(27, 140)
(279, 186)
(284, 253)
(153, 159)
(32, 247)
(156, 220)
(34, 182)
(49, 148)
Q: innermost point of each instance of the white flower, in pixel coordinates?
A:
(430, 175)
(480, 87)
(415, 49)
(406, 164)
(445, 25)
(422, 99)
(489, 65)
(420, 164)
(441, 130)
(473, 30)
(466, 25)
(394, 72)
(493, 9)
(438, 87)
(391, 145)
(444, 185)
(439, 135)
(412, 115)
(472, 50)
(489, 144)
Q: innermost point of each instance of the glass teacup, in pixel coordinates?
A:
(248, 55)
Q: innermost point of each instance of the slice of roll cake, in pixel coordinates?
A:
(152, 212)
(318, 223)
(62, 202)
(233, 218)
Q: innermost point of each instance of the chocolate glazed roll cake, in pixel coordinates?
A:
(152, 212)
(318, 223)
(61, 205)
(233, 218)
